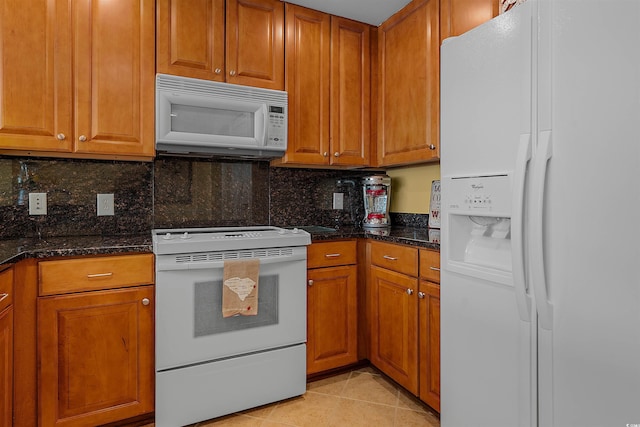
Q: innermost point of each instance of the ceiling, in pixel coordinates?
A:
(372, 12)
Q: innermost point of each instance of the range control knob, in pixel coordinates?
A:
(167, 236)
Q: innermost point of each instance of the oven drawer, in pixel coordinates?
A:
(199, 392)
(330, 254)
(93, 273)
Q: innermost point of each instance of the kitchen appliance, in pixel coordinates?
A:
(209, 365)
(207, 118)
(377, 196)
(540, 296)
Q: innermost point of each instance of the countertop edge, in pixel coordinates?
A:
(13, 251)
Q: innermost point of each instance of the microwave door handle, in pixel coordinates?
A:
(263, 128)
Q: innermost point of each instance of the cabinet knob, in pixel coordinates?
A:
(82, 138)
(409, 291)
(421, 294)
(61, 136)
(310, 282)
(217, 71)
(336, 154)
(232, 73)
(432, 147)
(325, 154)
(145, 301)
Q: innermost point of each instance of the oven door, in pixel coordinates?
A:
(190, 328)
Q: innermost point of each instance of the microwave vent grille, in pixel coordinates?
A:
(200, 87)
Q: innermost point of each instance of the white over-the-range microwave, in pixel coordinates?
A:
(206, 118)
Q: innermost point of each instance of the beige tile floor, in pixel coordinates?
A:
(361, 397)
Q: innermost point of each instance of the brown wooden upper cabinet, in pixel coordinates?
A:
(77, 78)
(328, 81)
(409, 85)
(237, 41)
(459, 16)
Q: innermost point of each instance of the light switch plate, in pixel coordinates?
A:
(105, 205)
(37, 203)
(338, 201)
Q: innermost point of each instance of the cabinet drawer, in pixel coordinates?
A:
(6, 288)
(430, 265)
(403, 259)
(93, 273)
(329, 254)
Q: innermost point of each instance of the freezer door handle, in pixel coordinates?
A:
(523, 299)
(541, 162)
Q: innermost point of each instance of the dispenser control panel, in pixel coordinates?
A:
(488, 194)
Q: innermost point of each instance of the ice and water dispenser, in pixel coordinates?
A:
(479, 225)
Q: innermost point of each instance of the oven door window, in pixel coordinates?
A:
(207, 305)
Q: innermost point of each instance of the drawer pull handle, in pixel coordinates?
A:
(145, 301)
(434, 268)
(92, 276)
(332, 255)
(310, 283)
(390, 258)
(3, 296)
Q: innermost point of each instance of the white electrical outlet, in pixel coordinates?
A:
(105, 204)
(37, 203)
(338, 201)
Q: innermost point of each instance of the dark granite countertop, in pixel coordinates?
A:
(18, 249)
(414, 236)
(12, 251)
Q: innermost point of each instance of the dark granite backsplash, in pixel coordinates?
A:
(71, 187)
(204, 193)
(171, 192)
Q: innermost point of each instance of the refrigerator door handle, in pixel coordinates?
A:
(543, 304)
(523, 299)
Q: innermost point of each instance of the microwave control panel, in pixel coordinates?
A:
(276, 126)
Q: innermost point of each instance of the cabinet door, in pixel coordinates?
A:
(114, 63)
(332, 318)
(409, 85)
(459, 16)
(255, 43)
(95, 357)
(6, 367)
(308, 83)
(35, 76)
(429, 300)
(190, 38)
(394, 326)
(350, 92)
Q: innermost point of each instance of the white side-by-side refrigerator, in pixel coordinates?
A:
(540, 164)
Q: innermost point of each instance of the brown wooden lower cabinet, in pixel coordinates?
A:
(394, 328)
(6, 367)
(332, 306)
(405, 317)
(429, 309)
(331, 318)
(95, 356)
(6, 347)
